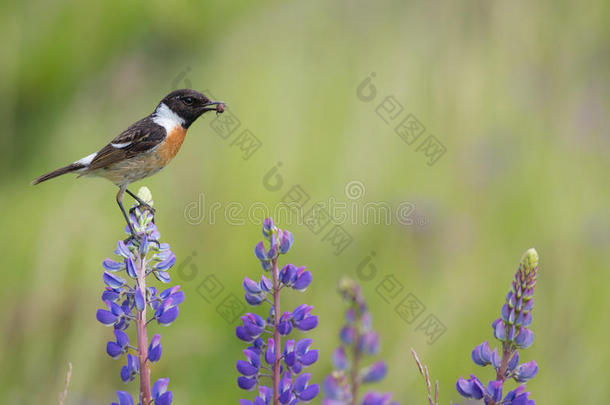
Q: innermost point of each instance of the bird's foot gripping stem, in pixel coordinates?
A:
(139, 237)
(142, 203)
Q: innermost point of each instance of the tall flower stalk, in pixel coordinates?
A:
(357, 340)
(513, 332)
(128, 298)
(279, 378)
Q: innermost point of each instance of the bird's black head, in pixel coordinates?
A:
(190, 104)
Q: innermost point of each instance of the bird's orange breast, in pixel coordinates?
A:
(170, 147)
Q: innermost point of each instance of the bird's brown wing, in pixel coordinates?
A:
(140, 137)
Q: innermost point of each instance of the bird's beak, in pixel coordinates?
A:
(217, 106)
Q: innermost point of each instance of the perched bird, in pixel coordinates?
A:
(145, 147)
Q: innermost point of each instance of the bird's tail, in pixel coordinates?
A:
(72, 167)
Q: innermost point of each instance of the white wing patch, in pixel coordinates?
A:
(165, 117)
(120, 145)
(87, 159)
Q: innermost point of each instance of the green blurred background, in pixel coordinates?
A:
(517, 92)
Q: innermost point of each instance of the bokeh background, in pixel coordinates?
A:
(517, 93)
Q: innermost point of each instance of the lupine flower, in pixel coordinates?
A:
(127, 299)
(155, 349)
(119, 347)
(160, 394)
(129, 371)
(373, 373)
(264, 397)
(287, 385)
(124, 398)
(376, 398)
(358, 339)
(512, 330)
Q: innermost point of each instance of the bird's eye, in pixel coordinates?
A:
(188, 100)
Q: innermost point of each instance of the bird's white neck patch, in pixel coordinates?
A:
(165, 117)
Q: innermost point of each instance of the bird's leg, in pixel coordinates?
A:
(142, 203)
(119, 200)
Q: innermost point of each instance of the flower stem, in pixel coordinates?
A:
(507, 353)
(354, 371)
(145, 395)
(276, 332)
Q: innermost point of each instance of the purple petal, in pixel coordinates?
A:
(526, 371)
(123, 250)
(106, 317)
(241, 334)
(308, 323)
(309, 393)
(268, 227)
(251, 286)
(140, 304)
(246, 368)
(286, 241)
(124, 398)
(302, 345)
(130, 268)
(160, 387)
(246, 383)
(111, 265)
(301, 382)
(177, 298)
(155, 349)
(495, 359)
(253, 357)
(309, 358)
(499, 331)
(303, 281)
(164, 399)
(374, 372)
(114, 350)
(284, 328)
(112, 280)
(167, 263)
(339, 358)
(121, 338)
(259, 252)
(347, 335)
(270, 352)
(125, 374)
(110, 295)
(162, 276)
(168, 292)
(265, 284)
(254, 299)
(525, 338)
(168, 316)
(494, 389)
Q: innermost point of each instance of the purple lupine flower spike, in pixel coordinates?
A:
(128, 300)
(358, 339)
(267, 354)
(512, 330)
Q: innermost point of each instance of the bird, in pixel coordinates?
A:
(145, 147)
